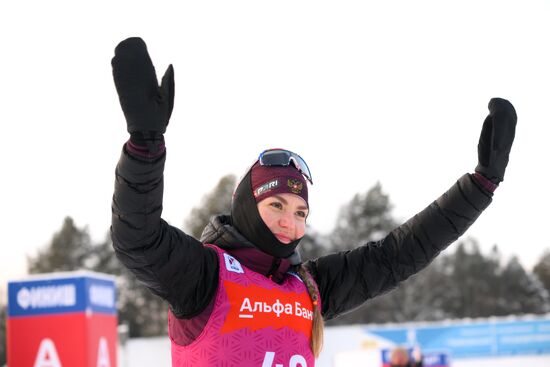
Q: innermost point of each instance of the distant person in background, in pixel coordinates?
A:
(399, 357)
(241, 295)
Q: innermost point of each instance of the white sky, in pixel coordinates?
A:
(395, 91)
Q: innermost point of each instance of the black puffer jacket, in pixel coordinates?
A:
(178, 268)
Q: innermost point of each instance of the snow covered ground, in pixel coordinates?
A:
(145, 352)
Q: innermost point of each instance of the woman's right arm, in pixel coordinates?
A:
(173, 265)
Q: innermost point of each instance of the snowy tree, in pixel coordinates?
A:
(473, 284)
(68, 250)
(367, 217)
(542, 269)
(218, 201)
(523, 292)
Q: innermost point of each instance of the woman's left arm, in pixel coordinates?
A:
(349, 278)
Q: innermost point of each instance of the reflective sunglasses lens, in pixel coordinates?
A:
(302, 166)
(275, 158)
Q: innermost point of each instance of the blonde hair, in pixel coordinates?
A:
(318, 323)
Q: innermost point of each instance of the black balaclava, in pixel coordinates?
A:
(247, 220)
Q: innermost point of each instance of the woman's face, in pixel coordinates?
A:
(285, 215)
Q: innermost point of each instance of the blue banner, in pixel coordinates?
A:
(58, 295)
(475, 339)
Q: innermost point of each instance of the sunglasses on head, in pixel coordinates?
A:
(282, 157)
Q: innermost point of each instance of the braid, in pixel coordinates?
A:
(318, 323)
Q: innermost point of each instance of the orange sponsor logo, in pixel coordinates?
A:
(257, 308)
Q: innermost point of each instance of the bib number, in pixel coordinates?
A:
(295, 361)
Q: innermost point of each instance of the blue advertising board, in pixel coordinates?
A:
(495, 337)
(62, 294)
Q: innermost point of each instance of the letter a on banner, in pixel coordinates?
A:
(47, 355)
(103, 354)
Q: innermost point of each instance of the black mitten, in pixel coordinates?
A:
(495, 142)
(146, 106)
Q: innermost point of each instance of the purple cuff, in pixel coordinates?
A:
(485, 182)
(143, 151)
